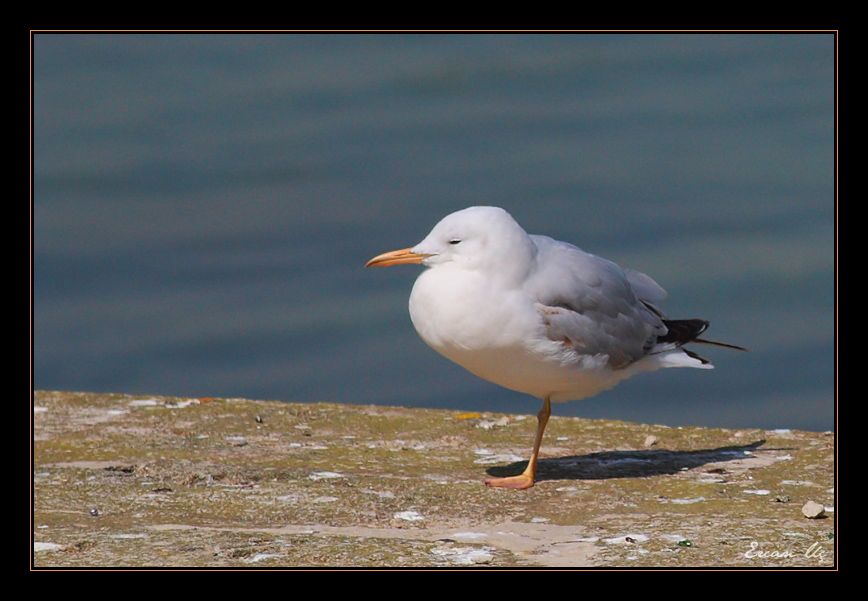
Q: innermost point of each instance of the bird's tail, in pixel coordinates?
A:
(684, 331)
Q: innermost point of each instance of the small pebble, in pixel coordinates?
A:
(258, 419)
(782, 499)
(94, 511)
(813, 510)
(629, 538)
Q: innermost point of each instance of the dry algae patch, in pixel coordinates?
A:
(159, 481)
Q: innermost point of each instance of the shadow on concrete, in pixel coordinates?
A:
(625, 464)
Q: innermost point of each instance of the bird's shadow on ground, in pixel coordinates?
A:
(625, 464)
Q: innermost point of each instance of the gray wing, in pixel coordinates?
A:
(594, 306)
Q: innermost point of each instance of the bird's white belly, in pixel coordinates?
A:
(499, 336)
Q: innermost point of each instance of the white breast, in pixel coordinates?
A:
(497, 335)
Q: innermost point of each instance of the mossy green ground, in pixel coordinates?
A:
(125, 480)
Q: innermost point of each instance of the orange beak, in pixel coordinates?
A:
(396, 257)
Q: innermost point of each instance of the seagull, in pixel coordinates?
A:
(537, 315)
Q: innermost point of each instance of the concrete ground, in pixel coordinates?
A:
(133, 480)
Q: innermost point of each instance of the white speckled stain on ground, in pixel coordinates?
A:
(144, 403)
(409, 516)
(325, 475)
(464, 556)
(683, 501)
(43, 547)
(469, 536)
(259, 557)
(540, 544)
(498, 459)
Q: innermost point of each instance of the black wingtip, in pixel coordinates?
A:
(687, 331)
(693, 355)
(723, 344)
(682, 331)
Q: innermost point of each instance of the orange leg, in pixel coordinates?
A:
(526, 478)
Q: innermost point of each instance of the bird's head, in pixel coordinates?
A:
(473, 238)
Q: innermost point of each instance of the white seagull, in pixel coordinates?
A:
(537, 315)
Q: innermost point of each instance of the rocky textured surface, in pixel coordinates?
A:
(123, 480)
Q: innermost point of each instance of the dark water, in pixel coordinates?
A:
(204, 206)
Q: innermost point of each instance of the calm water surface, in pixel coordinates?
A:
(204, 205)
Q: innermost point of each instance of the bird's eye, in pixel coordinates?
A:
(454, 241)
